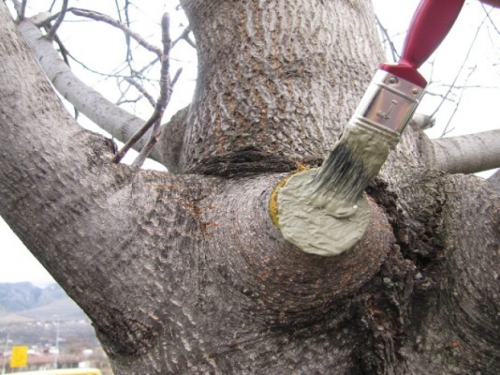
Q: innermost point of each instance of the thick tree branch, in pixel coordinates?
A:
(450, 233)
(466, 154)
(54, 177)
(172, 139)
(82, 216)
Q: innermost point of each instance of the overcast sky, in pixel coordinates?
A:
(479, 109)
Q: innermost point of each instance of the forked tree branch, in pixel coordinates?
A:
(52, 31)
(470, 153)
(185, 36)
(142, 90)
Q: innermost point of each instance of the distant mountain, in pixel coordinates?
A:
(18, 296)
(27, 300)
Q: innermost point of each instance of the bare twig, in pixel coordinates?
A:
(461, 68)
(489, 18)
(23, 9)
(96, 16)
(107, 75)
(118, 11)
(62, 49)
(52, 5)
(142, 90)
(185, 36)
(114, 74)
(128, 101)
(149, 65)
(129, 34)
(457, 103)
(465, 86)
(444, 96)
(383, 30)
(20, 8)
(129, 56)
(52, 32)
(124, 92)
(176, 77)
(138, 135)
(155, 134)
(165, 90)
(146, 150)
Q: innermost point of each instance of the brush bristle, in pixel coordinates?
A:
(353, 163)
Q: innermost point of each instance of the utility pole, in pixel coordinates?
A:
(57, 342)
(4, 359)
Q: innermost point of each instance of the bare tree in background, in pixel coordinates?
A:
(184, 272)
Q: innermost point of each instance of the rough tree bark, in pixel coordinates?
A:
(185, 273)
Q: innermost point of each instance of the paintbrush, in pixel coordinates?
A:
(323, 211)
(384, 111)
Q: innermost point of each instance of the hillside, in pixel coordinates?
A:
(16, 297)
(63, 309)
(31, 316)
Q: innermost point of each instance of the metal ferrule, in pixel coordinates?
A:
(388, 104)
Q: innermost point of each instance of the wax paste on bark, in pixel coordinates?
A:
(318, 225)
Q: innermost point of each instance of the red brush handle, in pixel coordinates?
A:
(431, 23)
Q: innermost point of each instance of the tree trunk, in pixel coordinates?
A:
(277, 81)
(186, 274)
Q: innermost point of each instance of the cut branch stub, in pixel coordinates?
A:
(286, 285)
(315, 225)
